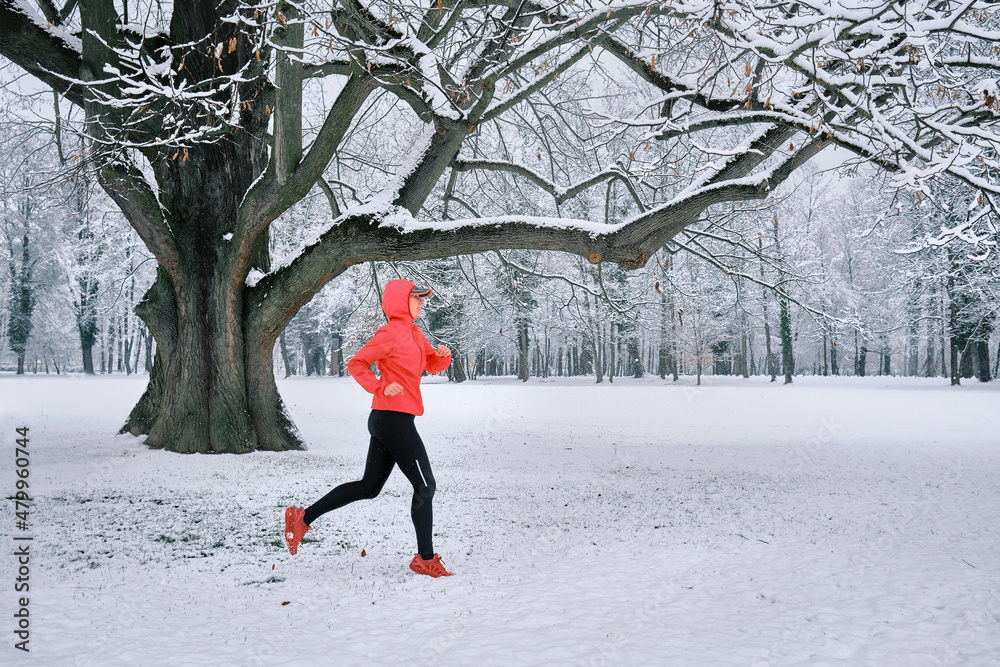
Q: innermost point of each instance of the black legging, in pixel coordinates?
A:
(394, 440)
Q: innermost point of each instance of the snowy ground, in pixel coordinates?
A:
(832, 522)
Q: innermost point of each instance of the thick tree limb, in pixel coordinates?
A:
(129, 189)
(651, 230)
(99, 40)
(288, 98)
(268, 198)
(341, 67)
(53, 56)
(361, 238)
(50, 11)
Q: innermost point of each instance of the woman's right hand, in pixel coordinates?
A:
(393, 389)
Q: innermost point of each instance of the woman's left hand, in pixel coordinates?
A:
(443, 351)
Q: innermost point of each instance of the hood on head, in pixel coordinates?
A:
(396, 300)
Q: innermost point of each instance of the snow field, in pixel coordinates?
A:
(837, 521)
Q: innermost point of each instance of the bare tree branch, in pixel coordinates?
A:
(53, 55)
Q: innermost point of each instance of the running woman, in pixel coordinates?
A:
(401, 353)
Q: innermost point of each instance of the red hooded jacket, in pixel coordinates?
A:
(400, 351)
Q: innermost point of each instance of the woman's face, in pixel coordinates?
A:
(415, 303)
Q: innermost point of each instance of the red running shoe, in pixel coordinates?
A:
(295, 528)
(432, 568)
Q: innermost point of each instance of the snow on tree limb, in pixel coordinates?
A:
(911, 86)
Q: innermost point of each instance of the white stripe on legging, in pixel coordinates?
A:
(421, 472)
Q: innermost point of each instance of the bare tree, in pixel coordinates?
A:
(199, 128)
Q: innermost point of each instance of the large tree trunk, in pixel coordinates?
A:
(337, 350)
(86, 321)
(88, 360)
(767, 324)
(612, 343)
(931, 352)
(522, 349)
(996, 361)
(284, 355)
(787, 358)
(952, 321)
(983, 359)
(826, 368)
(457, 369)
(834, 367)
(111, 345)
(744, 348)
(212, 385)
(597, 350)
(207, 393)
(22, 302)
(914, 312)
(784, 317)
(635, 360)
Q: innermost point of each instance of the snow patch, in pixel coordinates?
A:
(254, 277)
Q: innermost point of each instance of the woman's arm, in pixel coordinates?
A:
(438, 362)
(379, 347)
(434, 360)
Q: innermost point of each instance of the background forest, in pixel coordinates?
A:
(835, 273)
(832, 275)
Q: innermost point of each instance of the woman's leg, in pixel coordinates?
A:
(399, 434)
(377, 468)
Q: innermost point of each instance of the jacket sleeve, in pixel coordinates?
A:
(434, 363)
(379, 347)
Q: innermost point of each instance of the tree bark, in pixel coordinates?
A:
(612, 345)
(523, 359)
(664, 342)
(457, 369)
(284, 355)
(336, 352)
(981, 352)
(931, 352)
(86, 315)
(767, 324)
(112, 339)
(210, 387)
(826, 368)
(88, 360)
(784, 319)
(953, 320)
(22, 291)
(596, 341)
(996, 362)
(744, 348)
(787, 359)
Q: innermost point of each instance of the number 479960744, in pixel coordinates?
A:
(22, 461)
